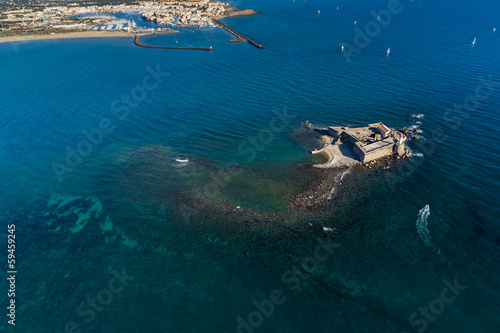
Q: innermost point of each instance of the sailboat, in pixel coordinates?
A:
(342, 47)
(388, 51)
(474, 42)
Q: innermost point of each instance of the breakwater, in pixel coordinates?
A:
(238, 35)
(137, 41)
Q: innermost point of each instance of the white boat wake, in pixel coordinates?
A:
(424, 233)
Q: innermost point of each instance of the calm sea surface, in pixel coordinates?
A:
(113, 234)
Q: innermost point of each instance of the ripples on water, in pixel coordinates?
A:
(205, 270)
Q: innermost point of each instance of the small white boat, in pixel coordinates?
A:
(319, 12)
(494, 29)
(182, 160)
(474, 41)
(330, 229)
(389, 51)
(417, 115)
(342, 48)
(427, 208)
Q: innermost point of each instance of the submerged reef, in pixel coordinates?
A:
(276, 200)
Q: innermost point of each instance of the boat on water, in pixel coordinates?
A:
(182, 160)
(388, 51)
(417, 115)
(342, 48)
(474, 41)
(427, 207)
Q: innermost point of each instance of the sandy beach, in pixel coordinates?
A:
(338, 156)
(78, 34)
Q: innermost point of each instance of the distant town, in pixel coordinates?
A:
(52, 17)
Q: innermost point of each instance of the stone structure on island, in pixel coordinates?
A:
(346, 146)
(371, 142)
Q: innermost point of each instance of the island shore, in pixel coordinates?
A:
(235, 13)
(338, 156)
(77, 34)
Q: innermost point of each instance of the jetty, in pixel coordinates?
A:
(137, 41)
(239, 37)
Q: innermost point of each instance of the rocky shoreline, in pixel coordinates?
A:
(318, 191)
(235, 12)
(307, 194)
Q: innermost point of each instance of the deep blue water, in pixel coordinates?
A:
(199, 262)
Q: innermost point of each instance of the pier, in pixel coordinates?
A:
(239, 36)
(137, 41)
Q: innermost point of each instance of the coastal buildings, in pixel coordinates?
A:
(186, 13)
(173, 13)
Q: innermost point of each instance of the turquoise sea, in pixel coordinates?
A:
(113, 234)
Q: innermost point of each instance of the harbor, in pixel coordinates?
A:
(134, 18)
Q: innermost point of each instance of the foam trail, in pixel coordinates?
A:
(337, 181)
(424, 233)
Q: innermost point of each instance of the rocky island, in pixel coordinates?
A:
(346, 146)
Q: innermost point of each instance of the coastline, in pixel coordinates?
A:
(107, 33)
(336, 156)
(238, 13)
(78, 34)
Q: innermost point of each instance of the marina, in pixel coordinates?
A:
(117, 24)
